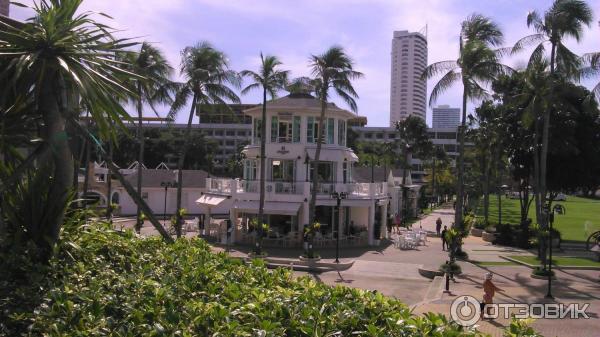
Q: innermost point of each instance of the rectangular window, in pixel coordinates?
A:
(326, 171)
(296, 130)
(250, 166)
(282, 170)
(274, 122)
(311, 130)
(257, 130)
(342, 132)
(330, 130)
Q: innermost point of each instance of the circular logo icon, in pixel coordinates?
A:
(465, 310)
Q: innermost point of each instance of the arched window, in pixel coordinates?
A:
(115, 198)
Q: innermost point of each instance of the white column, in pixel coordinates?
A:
(371, 226)
(384, 220)
(207, 219)
(303, 218)
(233, 219)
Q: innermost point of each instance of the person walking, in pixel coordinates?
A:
(443, 235)
(489, 290)
(438, 226)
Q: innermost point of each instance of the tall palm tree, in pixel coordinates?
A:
(271, 80)
(477, 65)
(154, 88)
(334, 70)
(591, 67)
(65, 58)
(207, 79)
(413, 139)
(564, 19)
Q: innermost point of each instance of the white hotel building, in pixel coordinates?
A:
(292, 129)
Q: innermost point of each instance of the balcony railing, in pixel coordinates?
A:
(357, 190)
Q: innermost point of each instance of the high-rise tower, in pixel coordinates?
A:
(408, 94)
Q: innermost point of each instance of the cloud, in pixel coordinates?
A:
(294, 29)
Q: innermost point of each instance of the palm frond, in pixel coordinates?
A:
(443, 84)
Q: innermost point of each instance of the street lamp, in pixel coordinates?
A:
(338, 196)
(501, 190)
(167, 185)
(560, 209)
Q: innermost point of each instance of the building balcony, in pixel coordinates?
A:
(250, 188)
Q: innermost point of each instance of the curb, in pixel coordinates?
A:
(553, 267)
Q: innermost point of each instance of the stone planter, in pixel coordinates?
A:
(541, 277)
(555, 243)
(309, 259)
(488, 237)
(430, 274)
(476, 232)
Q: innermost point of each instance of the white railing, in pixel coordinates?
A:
(248, 186)
(287, 187)
(220, 185)
(360, 189)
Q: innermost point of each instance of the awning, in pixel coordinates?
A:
(345, 202)
(271, 207)
(211, 199)
(336, 154)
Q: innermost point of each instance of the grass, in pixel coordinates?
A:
(582, 216)
(494, 263)
(559, 261)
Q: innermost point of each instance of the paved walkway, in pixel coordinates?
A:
(394, 273)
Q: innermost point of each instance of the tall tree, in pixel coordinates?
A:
(65, 58)
(412, 140)
(155, 87)
(207, 80)
(564, 19)
(270, 79)
(477, 65)
(334, 70)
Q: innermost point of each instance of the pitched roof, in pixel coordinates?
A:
(298, 101)
(362, 174)
(153, 178)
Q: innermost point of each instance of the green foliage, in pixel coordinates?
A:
(520, 328)
(451, 267)
(105, 282)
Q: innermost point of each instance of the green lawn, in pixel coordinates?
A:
(582, 216)
(494, 263)
(559, 261)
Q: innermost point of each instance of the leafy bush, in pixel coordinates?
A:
(539, 271)
(451, 267)
(520, 328)
(104, 282)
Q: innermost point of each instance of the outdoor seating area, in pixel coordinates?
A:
(410, 239)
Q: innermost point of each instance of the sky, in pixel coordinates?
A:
(295, 29)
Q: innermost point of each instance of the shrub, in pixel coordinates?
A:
(520, 328)
(539, 271)
(451, 267)
(103, 282)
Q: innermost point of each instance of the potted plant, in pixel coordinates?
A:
(138, 225)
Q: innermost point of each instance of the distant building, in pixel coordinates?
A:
(408, 90)
(445, 117)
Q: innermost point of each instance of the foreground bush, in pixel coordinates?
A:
(102, 282)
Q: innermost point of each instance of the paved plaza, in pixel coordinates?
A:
(394, 273)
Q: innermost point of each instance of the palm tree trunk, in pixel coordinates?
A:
(140, 135)
(486, 191)
(545, 139)
(315, 176)
(109, 209)
(458, 212)
(433, 194)
(55, 133)
(180, 163)
(263, 170)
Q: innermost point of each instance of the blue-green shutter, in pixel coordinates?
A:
(296, 130)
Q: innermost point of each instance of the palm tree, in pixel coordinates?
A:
(333, 69)
(154, 88)
(591, 62)
(565, 18)
(207, 74)
(65, 58)
(413, 139)
(271, 80)
(477, 65)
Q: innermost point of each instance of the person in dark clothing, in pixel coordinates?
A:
(438, 226)
(444, 243)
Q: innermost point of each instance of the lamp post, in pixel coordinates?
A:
(167, 185)
(560, 209)
(338, 196)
